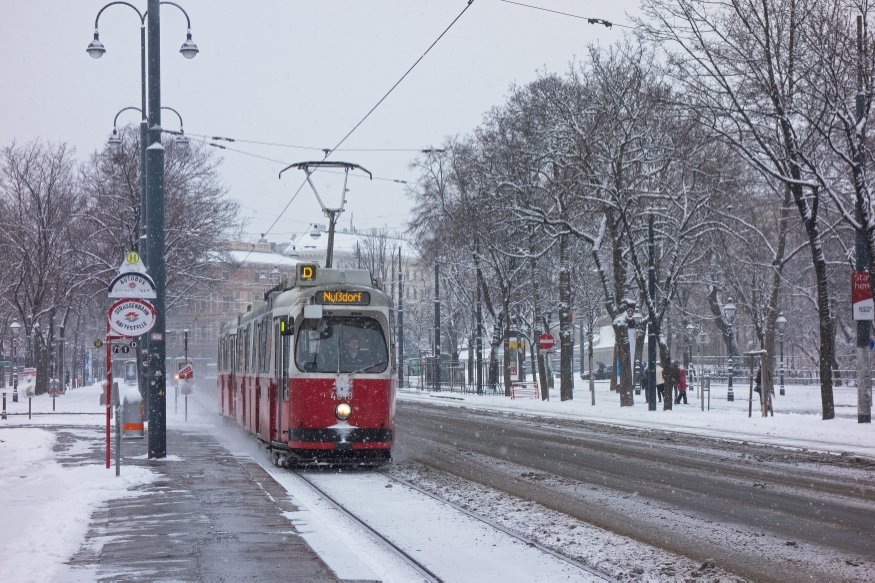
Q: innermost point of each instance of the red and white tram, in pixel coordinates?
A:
(309, 371)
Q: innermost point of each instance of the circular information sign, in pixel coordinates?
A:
(546, 341)
(131, 317)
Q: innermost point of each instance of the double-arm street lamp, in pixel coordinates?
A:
(781, 324)
(15, 327)
(729, 312)
(115, 139)
(152, 202)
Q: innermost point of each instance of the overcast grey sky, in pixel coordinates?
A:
(291, 72)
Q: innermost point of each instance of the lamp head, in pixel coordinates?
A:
(729, 309)
(182, 141)
(15, 327)
(781, 322)
(189, 50)
(114, 140)
(95, 47)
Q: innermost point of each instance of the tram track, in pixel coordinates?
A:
(507, 531)
(419, 567)
(392, 547)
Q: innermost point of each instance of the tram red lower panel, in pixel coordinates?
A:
(307, 420)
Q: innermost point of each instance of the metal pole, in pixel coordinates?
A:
(864, 370)
(730, 396)
(157, 413)
(437, 326)
(118, 437)
(14, 372)
(108, 391)
(782, 362)
(479, 341)
(185, 351)
(651, 337)
(400, 321)
(329, 253)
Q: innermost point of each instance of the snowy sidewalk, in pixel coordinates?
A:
(202, 513)
(797, 421)
(208, 516)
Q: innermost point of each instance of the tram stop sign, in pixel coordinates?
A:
(546, 341)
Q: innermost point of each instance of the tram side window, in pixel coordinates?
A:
(265, 345)
(332, 345)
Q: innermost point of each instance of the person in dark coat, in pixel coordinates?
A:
(682, 387)
(672, 377)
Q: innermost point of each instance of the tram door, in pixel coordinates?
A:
(283, 339)
(232, 384)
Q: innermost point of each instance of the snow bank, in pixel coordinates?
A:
(46, 507)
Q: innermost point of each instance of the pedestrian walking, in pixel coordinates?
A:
(758, 380)
(660, 382)
(682, 387)
(672, 377)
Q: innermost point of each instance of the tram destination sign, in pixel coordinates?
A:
(132, 285)
(345, 298)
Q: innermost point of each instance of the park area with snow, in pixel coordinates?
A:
(796, 423)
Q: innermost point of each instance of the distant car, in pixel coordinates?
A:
(600, 374)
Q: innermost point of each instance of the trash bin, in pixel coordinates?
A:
(133, 415)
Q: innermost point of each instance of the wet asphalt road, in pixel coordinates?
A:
(761, 512)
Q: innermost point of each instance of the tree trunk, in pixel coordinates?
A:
(827, 345)
(566, 346)
(545, 389)
(621, 340)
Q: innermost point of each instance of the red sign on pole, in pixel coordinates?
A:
(546, 341)
(861, 296)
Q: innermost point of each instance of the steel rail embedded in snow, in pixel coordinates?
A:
(506, 531)
(416, 565)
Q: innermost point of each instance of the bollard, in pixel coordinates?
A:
(132, 416)
(4, 405)
(29, 399)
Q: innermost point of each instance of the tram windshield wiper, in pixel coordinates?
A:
(383, 363)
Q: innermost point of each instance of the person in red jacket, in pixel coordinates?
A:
(682, 388)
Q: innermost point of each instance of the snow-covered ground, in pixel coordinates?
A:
(76, 407)
(47, 497)
(797, 421)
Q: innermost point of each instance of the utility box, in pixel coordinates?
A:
(133, 415)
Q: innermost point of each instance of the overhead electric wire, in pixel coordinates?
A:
(431, 46)
(602, 21)
(297, 147)
(220, 146)
(368, 114)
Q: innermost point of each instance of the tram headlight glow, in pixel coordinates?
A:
(342, 411)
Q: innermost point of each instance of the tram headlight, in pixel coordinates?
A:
(342, 411)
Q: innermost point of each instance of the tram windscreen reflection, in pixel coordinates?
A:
(346, 345)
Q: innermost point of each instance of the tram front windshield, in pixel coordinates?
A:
(341, 345)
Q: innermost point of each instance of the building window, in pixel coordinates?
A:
(226, 303)
(226, 276)
(205, 333)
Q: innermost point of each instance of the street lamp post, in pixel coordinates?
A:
(637, 318)
(781, 323)
(152, 202)
(690, 329)
(16, 330)
(729, 311)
